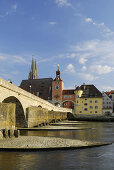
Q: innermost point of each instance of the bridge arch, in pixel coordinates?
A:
(68, 104)
(19, 112)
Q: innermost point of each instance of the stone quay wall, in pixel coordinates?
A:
(7, 121)
(37, 116)
(7, 115)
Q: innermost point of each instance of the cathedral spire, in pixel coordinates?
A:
(36, 74)
(33, 71)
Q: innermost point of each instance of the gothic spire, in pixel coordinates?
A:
(36, 74)
(33, 71)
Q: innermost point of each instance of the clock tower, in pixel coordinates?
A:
(57, 88)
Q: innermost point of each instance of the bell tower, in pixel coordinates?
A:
(57, 87)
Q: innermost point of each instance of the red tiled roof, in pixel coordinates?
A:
(110, 92)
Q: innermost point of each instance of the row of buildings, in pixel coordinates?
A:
(86, 99)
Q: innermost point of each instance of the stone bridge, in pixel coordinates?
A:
(10, 93)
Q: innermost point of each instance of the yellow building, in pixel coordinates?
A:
(88, 100)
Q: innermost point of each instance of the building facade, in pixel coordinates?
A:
(57, 88)
(107, 105)
(41, 87)
(111, 96)
(48, 88)
(88, 100)
(68, 98)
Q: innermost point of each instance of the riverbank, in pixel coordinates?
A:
(55, 127)
(35, 143)
(88, 117)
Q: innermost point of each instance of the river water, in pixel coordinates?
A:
(97, 158)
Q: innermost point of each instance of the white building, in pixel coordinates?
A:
(107, 105)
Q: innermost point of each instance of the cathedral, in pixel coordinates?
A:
(49, 89)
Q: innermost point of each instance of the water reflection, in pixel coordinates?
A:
(86, 159)
(96, 132)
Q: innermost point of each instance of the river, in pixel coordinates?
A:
(97, 158)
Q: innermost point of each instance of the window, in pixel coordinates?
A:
(77, 101)
(96, 101)
(77, 96)
(80, 111)
(90, 111)
(85, 99)
(90, 101)
(65, 96)
(91, 107)
(70, 97)
(85, 104)
(85, 109)
(96, 107)
(95, 111)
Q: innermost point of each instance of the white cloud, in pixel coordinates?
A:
(106, 32)
(14, 59)
(19, 59)
(84, 68)
(14, 7)
(99, 52)
(72, 55)
(52, 23)
(4, 15)
(2, 57)
(99, 69)
(87, 76)
(88, 20)
(82, 60)
(107, 88)
(62, 3)
(70, 68)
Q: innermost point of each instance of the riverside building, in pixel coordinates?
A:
(49, 89)
(88, 100)
(107, 105)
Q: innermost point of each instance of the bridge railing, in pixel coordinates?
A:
(20, 91)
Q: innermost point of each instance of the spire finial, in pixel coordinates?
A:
(58, 66)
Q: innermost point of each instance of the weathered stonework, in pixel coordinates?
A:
(7, 115)
(10, 93)
(40, 116)
(25, 98)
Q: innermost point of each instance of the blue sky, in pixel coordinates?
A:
(76, 34)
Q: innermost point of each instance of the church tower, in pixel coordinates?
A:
(33, 71)
(57, 88)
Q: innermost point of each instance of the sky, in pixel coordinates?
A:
(76, 34)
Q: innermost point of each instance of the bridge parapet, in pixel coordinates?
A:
(28, 98)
